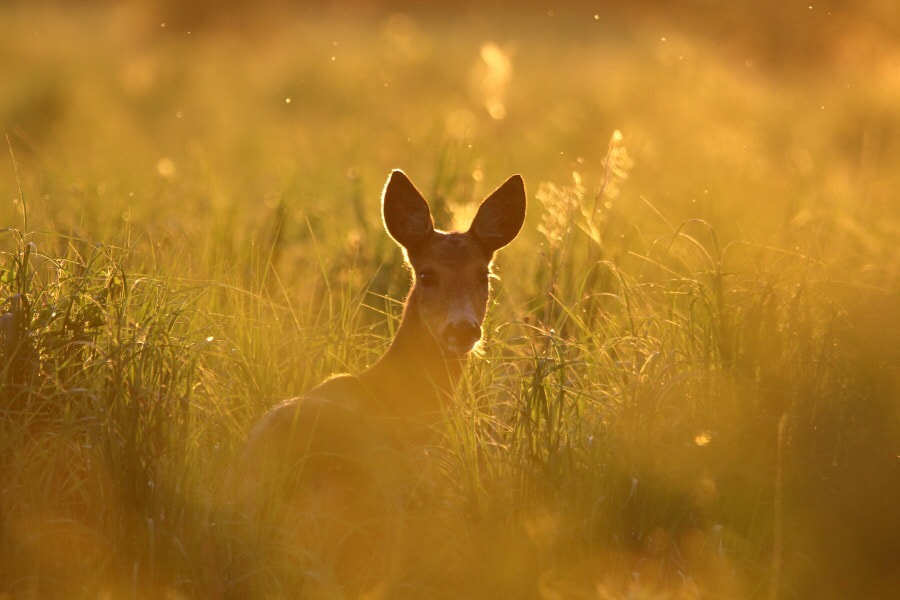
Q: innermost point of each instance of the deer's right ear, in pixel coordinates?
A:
(501, 215)
(407, 217)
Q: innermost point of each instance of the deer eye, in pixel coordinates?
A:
(426, 277)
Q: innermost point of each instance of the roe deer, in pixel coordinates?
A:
(333, 464)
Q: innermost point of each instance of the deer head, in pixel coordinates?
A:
(452, 269)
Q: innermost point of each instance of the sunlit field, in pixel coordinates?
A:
(688, 385)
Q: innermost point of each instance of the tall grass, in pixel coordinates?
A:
(688, 429)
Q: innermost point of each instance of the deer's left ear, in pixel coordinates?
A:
(406, 215)
(501, 215)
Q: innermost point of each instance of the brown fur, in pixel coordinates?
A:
(342, 454)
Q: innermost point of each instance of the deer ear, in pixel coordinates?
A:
(407, 217)
(501, 215)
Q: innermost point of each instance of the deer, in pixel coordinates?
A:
(334, 464)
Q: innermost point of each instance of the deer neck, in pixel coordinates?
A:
(415, 378)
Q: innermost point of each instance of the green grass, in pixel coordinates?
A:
(689, 383)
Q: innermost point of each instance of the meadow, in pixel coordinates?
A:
(688, 385)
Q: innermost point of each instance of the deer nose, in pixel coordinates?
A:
(461, 335)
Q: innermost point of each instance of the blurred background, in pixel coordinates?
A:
(754, 101)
